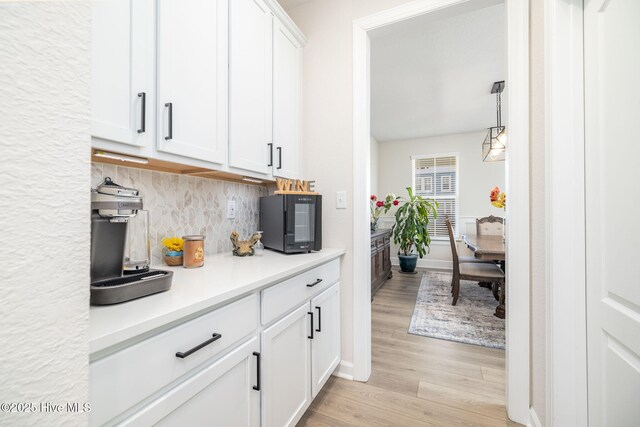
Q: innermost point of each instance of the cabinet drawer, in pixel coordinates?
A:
(123, 379)
(279, 299)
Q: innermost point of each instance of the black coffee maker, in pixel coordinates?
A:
(112, 207)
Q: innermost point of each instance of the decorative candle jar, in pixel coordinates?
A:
(193, 251)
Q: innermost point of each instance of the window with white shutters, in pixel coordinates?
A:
(436, 177)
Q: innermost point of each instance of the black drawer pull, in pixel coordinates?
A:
(279, 157)
(319, 319)
(311, 285)
(170, 105)
(270, 154)
(143, 112)
(310, 313)
(257, 387)
(182, 355)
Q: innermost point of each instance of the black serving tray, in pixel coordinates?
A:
(129, 287)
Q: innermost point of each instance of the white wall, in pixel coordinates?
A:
(373, 164)
(476, 179)
(327, 125)
(44, 176)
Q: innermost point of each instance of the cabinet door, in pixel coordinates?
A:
(286, 102)
(250, 85)
(122, 70)
(221, 394)
(192, 72)
(325, 345)
(286, 369)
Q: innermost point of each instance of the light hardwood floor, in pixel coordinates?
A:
(415, 380)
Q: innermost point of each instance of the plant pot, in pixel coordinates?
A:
(408, 263)
(173, 258)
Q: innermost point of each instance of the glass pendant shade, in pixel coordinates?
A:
(494, 145)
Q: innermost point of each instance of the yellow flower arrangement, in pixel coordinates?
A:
(498, 198)
(173, 243)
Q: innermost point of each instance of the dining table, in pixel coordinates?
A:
(489, 248)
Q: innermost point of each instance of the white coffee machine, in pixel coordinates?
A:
(114, 277)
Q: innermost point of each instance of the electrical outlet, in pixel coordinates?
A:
(231, 209)
(341, 200)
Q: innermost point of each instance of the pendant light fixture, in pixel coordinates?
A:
(495, 143)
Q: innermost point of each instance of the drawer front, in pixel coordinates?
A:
(123, 379)
(282, 298)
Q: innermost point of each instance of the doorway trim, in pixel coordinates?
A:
(517, 179)
(566, 329)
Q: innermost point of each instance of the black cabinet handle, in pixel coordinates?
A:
(270, 154)
(311, 285)
(319, 319)
(170, 105)
(279, 157)
(182, 355)
(143, 112)
(257, 355)
(310, 313)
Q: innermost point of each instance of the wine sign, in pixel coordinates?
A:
(294, 186)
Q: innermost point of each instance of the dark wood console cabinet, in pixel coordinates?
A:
(380, 258)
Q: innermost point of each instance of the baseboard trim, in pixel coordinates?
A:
(428, 263)
(344, 370)
(534, 421)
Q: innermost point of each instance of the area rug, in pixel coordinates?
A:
(470, 321)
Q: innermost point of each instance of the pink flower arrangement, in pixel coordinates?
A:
(379, 206)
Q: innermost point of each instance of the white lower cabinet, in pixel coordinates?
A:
(222, 394)
(225, 368)
(287, 375)
(300, 352)
(325, 346)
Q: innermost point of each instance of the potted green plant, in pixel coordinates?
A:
(410, 232)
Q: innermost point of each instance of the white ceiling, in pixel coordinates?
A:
(432, 75)
(290, 4)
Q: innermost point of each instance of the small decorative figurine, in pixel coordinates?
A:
(244, 247)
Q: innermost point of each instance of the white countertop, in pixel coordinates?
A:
(223, 278)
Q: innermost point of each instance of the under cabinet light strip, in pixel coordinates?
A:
(120, 157)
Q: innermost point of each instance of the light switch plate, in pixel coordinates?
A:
(231, 209)
(341, 200)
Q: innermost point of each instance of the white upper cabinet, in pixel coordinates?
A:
(250, 85)
(210, 83)
(286, 102)
(122, 71)
(192, 104)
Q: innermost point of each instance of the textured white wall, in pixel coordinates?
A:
(44, 176)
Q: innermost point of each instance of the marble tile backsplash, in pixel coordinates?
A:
(179, 205)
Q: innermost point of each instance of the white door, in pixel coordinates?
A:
(286, 102)
(250, 86)
(325, 345)
(286, 388)
(222, 394)
(123, 70)
(612, 135)
(192, 78)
